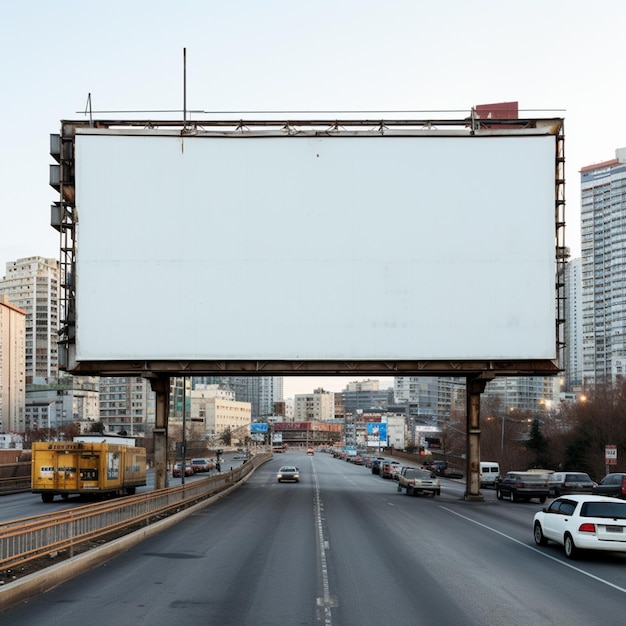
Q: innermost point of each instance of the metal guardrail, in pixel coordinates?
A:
(17, 484)
(29, 538)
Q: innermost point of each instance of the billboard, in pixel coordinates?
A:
(258, 428)
(376, 434)
(377, 248)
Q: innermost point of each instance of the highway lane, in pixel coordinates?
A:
(342, 547)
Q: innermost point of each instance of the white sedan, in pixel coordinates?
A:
(582, 522)
(291, 474)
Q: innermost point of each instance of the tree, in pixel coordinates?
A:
(69, 431)
(538, 445)
(226, 436)
(97, 427)
(592, 424)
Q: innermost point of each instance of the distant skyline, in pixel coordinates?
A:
(294, 385)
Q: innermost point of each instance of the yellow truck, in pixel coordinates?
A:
(102, 465)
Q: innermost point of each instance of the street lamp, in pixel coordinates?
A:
(511, 409)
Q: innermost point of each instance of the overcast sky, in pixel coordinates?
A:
(555, 57)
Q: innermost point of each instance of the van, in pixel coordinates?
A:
(489, 473)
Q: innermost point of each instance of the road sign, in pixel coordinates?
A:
(610, 455)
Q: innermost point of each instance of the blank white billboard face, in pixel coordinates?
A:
(321, 248)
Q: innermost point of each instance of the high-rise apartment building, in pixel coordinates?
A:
(430, 398)
(260, 391)
(127, 404)
(524, 393)
(573, 353)
(603, 271)
(32, 284)
(12, 366)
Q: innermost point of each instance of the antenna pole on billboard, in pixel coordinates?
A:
(184, 88)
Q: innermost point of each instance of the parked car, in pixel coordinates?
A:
(177, 469)
(418, 481)
(374, 464)
(582, 522)
(563, 483)
(288, 473)
(437, 466)
(389, 468)
(523, 486)
(611, 485)
(451, 472)
(201, 465)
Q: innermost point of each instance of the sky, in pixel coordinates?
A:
(555, 57)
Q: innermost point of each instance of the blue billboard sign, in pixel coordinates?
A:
(376, 433)
(258, 428)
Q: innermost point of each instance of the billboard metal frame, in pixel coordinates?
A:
(64, 218)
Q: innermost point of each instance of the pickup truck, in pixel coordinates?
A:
(418, 481)
(611, 485)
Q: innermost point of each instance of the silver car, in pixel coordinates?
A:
(288, 473)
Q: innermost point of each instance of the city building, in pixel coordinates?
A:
(260, 391)
(213, 410)
(179, 402)
(32, 284)
(364, 395)
(67, 400)
(127, 404)
(11, 441)
(51, 400)
(429, 399)
(533, 394)
(318, 406)
(289, 409)
(573, 353)
(12, 366)
(603, 271)
(396, 430)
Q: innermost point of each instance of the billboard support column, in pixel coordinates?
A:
(475, 385)
(161, 387)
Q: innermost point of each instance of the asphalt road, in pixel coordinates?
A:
(342, 547)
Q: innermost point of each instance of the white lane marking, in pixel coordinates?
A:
(536, 551)
(325, 602)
